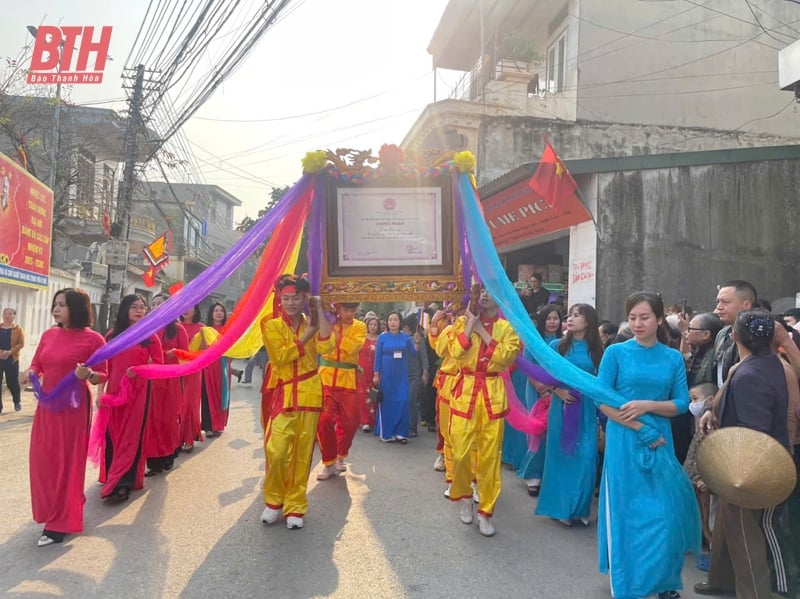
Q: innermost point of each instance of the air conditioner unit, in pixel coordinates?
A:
(94, 269)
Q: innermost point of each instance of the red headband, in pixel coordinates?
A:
(288, 289)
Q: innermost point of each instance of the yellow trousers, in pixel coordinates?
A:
(447, 448)
(477, 444)
(289, 447)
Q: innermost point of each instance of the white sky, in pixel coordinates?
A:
(323, 54)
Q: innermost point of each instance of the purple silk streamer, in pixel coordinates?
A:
(467, 267)
(572, 412)
(62, 396)
(463, 245)
(316, 241)
(316, 236)
(68, 392)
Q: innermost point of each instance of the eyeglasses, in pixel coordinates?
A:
(689, 329)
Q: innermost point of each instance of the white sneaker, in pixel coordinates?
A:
(438, 465)
(366, 428)
(475, 497)
(340, 465)
(326, 472)
(465, 512)
(447, 492)
(269, 515)
(294, 522)
(485, 526)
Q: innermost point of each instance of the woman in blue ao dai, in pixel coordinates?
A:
(648, 518)
(531, 468)
(392, 352)
(570, 467)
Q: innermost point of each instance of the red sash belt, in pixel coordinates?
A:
(280, 385)
(478, 386)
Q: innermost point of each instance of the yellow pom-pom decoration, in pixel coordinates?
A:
(313, 162)
(464, 161)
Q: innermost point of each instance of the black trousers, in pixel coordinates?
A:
(427, 402)
(10, 369)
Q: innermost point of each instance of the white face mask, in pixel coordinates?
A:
(697, 408)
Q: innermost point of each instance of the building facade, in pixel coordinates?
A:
(641, 98)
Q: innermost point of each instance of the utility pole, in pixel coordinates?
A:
(117, 249)
(131, 152)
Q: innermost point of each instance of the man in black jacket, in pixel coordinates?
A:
(535, 298)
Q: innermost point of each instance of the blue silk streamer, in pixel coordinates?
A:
(661, 461)
(226, 388)
(492, 273)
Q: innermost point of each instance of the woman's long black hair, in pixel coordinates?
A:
(123, 322)
(592, 335)
(171, 330)
(210, 316)
(540, 319)
(656, 305)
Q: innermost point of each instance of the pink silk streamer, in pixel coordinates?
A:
(276, 256)
(532, 422)
(97, 437)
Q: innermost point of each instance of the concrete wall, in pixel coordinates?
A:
(684, 65)
(682, 231)
(33, 306)
(506, 142)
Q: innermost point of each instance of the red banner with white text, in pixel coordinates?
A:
(517, 214)
(26, 222)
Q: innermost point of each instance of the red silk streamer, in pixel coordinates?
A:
(273, 261)
(285, 233)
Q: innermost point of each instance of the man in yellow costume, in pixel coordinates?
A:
(293, 344)
(483, 345)
(341, 413)
(439, 336)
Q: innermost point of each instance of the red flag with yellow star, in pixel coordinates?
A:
(552, 181)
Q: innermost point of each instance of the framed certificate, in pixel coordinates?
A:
(390, 238)
(380, 229)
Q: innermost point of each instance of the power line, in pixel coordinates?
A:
(184, 36)
(774, 18)
(316, 134)
(635, 31)
(667, 92)
(308, 114)
(731, 16)
(739, 128)
(755, 16)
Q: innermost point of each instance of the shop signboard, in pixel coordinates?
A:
(26, 223)
(517, 214)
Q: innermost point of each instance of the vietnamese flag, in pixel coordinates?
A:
(149, 277)
(552, 181)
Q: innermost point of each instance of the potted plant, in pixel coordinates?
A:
(516, 54)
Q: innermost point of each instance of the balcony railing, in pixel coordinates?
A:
(472, 84)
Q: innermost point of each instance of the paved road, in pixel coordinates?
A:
(381, 530)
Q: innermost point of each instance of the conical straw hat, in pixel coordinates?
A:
(746, 467)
